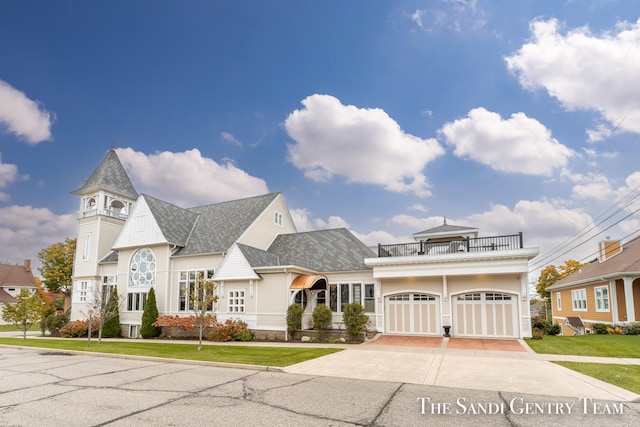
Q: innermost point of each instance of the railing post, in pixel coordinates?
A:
(379, 250)
(521, 243)
(468, 244)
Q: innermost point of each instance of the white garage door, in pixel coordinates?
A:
(485, 314)
(412, 313)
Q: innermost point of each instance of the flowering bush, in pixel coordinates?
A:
(78, 328)
(188, 323)
(230, 330)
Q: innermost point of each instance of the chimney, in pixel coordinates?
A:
(27, 265)
(608, 249)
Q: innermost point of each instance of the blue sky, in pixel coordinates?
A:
(382, 117)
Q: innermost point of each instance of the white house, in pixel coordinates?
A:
(261, 265)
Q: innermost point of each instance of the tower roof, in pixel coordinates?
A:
(109, 175)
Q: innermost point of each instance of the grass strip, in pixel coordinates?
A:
(589, 345)
(624, 376)
(251, 355)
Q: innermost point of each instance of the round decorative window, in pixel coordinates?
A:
(142, 270)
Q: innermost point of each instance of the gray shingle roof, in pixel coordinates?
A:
(109, 175)
(175, 223)
(322, 251)
(111, 257)
(258, 257)
(446, 228)
(220, 225)
(626, 261)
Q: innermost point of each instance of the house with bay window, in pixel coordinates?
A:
(475, 286)
(606, 290)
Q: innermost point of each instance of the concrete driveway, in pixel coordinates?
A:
(518, 369)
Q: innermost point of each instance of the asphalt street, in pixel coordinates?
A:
(52, 388)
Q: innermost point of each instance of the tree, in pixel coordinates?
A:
(201, 299)
(149, 316)
(354, 319)
(47, 308)
(551, 274)
(23, 313)
(105, 304)
(57, 266)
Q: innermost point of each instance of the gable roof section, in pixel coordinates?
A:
(109, 175)
(175, 223)
(625, 262)
(257, 257)
(322, 251)
(220, 225)
(16, 276)
(5, 297)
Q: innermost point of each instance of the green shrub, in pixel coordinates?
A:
(632, 328)
(54, 322)
(149, 316)
(111, 327)
(294, 319)
(553, 329)
(600, 328)
(354, 319)
(322, 318)
(229, 330)
(537, 333)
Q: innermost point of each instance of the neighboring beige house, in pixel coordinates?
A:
(13, 279)
(606, 290)
(261, 265)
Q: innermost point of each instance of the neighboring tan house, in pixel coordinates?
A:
(261, 265)
(13, 279)
(607, 290)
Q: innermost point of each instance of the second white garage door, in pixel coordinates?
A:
(412, 313)
(485, 314)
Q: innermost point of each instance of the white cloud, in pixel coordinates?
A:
(517, 145)
(229, 138)
(585, 71)
(22, 116)
(8, 173)
(188, 179)
(25, 230)
(456, 15)
(600, 133)
(593, 186)
(363, 145)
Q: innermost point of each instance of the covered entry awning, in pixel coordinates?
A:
(308, 281)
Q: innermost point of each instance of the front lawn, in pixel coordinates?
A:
(589, 345)
(624, 376)
(263, 356)
(9, 328)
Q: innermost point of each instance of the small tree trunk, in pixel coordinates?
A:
(24, 330)
(200, 342)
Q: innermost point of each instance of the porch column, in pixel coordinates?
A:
(613, 294)
(628, 298)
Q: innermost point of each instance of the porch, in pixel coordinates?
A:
(469, 244)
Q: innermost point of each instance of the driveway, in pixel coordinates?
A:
(498, 365)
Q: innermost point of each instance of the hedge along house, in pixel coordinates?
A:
(249, 247)
(606, 290)
(261, 265)
(451, 278)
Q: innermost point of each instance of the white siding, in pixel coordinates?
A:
(235, 267)
(141, 228)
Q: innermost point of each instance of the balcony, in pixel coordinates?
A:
(476, 244)
(113, 212)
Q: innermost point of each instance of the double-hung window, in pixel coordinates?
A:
(341, 294)
(579, 299)
(188, 288)
(602, 298)
(559, 301)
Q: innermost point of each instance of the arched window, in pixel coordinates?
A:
(142, 269)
